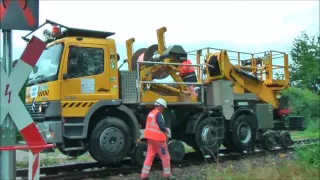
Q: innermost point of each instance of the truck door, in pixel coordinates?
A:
(85, 78)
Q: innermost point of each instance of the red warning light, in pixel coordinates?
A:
(55, 30)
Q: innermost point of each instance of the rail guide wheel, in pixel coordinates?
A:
(139, 153)
(269, 140)
(285, 139)
(176, 150)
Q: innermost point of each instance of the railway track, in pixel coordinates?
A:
(96, 170)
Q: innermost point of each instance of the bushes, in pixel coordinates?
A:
(305, 103)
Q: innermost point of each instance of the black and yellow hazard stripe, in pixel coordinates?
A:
(77, 104)
(43, 93)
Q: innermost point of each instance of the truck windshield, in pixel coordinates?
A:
(47, 66)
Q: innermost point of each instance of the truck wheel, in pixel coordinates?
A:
(243, 133)
(227, 142)
(74, 153)
(97, 158)
(109, 142)
(208, 137)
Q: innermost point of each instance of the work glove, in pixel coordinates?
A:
(168, 133)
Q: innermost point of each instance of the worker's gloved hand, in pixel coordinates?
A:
(168, 133)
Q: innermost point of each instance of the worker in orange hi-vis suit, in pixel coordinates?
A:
(156, 134)
(188, 74)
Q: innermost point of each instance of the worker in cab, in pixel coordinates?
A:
(187, 74)
(156, 134)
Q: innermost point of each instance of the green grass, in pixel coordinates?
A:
(304, 134)
(312, 130)
(309, 156)
(270, 167)
(268, 171)
(53, 158)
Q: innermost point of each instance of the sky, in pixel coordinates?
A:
(250, 26)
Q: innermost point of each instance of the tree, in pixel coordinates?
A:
(305, 69)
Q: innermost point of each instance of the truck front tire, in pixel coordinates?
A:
(109, 141)
(74, 153)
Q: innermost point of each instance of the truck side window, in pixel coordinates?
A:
(85, 61)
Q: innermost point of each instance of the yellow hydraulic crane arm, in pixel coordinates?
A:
(129, 47)
(160, 70)
(223, 69)
(160, 37)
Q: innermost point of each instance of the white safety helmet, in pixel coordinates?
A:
(161, 102)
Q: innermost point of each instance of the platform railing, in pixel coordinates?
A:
(259, 65)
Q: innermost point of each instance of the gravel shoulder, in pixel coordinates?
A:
(273, 166)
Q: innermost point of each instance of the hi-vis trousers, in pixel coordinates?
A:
(160, 148)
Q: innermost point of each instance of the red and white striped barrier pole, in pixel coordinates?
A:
(10, 87)
(34, 159)
(34, 165)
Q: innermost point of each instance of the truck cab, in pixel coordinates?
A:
(72, 67)
(77, 69)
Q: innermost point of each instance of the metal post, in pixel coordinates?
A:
(8, 129)
(138, 82)
(202, 86)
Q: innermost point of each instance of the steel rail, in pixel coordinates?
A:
(98, 170)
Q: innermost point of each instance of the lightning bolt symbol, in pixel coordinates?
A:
(8, 93)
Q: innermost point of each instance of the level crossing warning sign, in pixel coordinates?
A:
(19, 14)
(11, 103)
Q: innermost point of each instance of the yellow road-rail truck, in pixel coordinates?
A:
(82, 102)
